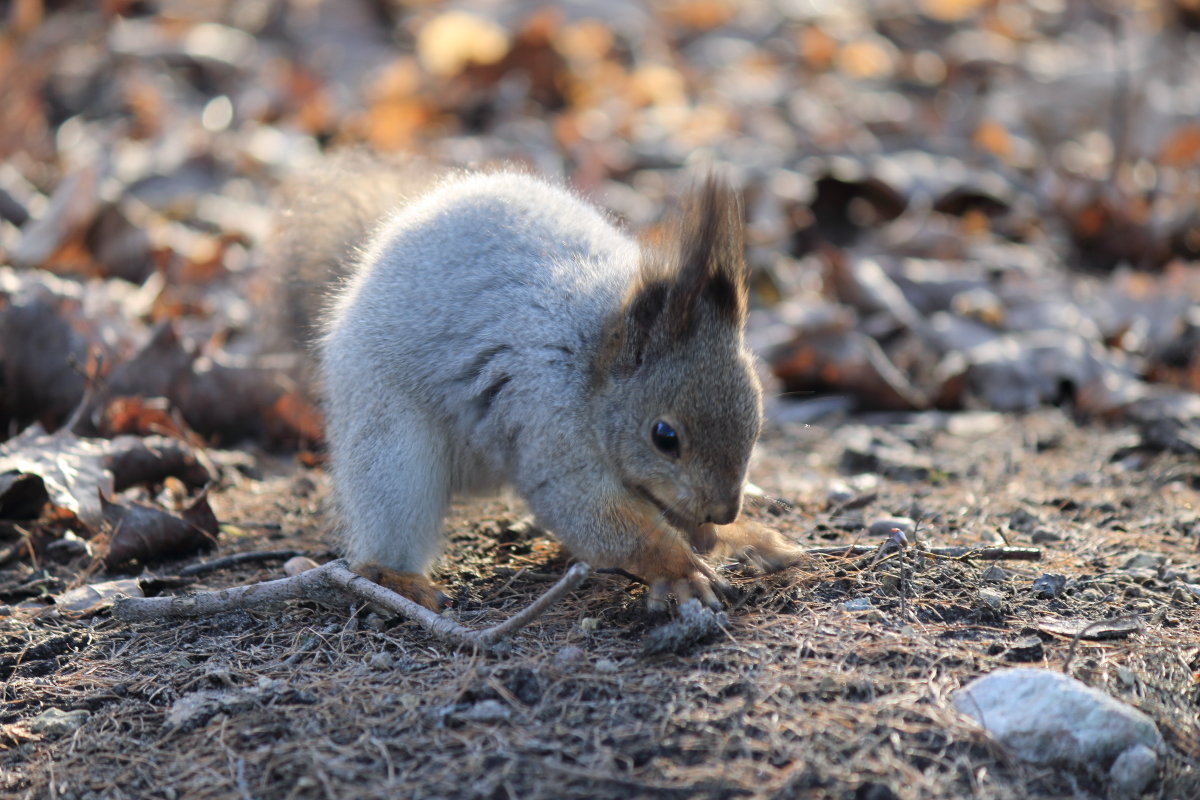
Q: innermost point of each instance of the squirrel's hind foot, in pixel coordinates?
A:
(412, 585)
(762, 548)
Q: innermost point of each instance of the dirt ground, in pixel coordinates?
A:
(800, 697)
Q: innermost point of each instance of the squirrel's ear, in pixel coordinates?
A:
(701, 269)
(711, 265)
(638, 322)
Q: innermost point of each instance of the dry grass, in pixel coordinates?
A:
(800, 698)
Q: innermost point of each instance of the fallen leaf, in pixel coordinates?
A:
(142, 532)
(455, 40)
(141, 416)
(72, 207)
(22, 495)
(73, 470)
(96, 597)
(1085, 629)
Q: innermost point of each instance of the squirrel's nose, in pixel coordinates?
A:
(725, 514)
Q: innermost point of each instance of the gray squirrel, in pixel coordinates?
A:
(495, 329)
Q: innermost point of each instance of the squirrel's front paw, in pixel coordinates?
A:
(676, 571)
(704, 587)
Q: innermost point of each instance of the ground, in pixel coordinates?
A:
(798, 697)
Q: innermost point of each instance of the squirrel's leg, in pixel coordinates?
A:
(750, 542)
(392, 473)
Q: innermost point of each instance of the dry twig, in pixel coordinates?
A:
(331, 584)
(953, 553)
(236, 559)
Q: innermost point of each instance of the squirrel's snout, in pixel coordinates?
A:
(725, 514)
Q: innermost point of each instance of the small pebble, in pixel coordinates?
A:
(589, 624)
(298, 564)
(266, 684)
(995, 574)
(568, 656)
(56, 722)
(1044, 535)
(486, 711)
(1144, 561)
(607, 666)
(382, 661)
(838, 493)
(1049, 585)
(1132, 771)
(857, 604)
(991, 598)
(1142, 575)
(882, 528)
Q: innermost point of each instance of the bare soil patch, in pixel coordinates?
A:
(800, 697)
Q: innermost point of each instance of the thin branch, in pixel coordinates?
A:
(956, 553)
(238, 558)
(333, 583)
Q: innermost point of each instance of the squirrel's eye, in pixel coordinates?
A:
(665, 438)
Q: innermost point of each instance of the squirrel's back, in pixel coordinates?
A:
(483, 302)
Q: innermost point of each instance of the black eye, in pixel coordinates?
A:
(665, 438)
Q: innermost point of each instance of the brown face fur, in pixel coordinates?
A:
(676, 355)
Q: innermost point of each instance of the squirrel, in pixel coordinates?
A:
(496, 329)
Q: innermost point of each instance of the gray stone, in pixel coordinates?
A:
(607, 666)
(197, 708)
(1144, 561)
(1133, 770)
(882, 528)
(995, 574)
(56, 722)
(381, 661)
(485, 711)
(1049, 585)
(569, 656)
(1045, 717)
(992, 598)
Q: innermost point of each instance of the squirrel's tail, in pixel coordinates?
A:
(325, 216)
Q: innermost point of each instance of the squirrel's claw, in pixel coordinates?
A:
(703, 587)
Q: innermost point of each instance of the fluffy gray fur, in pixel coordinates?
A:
(499, 330)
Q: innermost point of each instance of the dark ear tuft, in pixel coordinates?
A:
(699, 273)
(631, 332)
(711, 266)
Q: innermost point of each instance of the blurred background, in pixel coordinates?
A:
(951, 203)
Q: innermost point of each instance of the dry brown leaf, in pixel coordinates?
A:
(992, 137)
(94, 597)
(74, 470)
(1182, 148)
(1084, 629)
(868, 58)
(455, 40)
(952, 10)
(41, 352)
(295, 418)
(699, 15)
(73, 206)
(141, 532)
(817, 47)
(142, 416)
